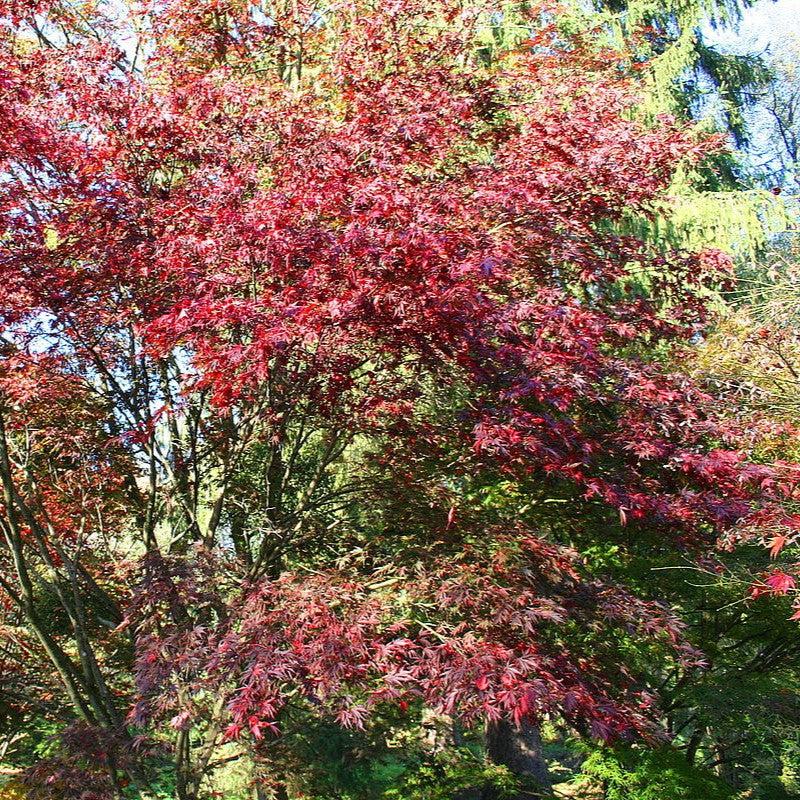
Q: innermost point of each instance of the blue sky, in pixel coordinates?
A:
(764, 25)
(771, 28)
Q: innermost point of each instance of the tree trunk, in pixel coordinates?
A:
(726, 766)
(520, 749)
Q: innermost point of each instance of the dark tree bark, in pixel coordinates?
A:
(520, 749)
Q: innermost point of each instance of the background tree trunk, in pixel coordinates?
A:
(520, 749)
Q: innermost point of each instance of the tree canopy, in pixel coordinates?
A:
(338, 396)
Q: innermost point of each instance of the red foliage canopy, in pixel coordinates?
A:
(341, 223)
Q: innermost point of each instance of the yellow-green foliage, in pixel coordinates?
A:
(638, 774)
(738, 222)
(755, 350)
(12, 791)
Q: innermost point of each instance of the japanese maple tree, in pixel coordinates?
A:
(317, 328)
